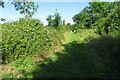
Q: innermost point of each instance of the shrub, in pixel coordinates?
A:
(108, 49)
(26, 37)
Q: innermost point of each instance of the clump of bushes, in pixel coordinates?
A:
(108, 49)
(27, 37)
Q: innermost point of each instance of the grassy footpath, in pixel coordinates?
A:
(74, 59)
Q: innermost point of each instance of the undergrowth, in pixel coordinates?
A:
(81, 54)
(27, 37)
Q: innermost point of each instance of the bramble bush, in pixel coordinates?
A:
(27, 37)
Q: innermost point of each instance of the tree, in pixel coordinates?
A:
(57, 19)
(83, 19)
(27, 8)
(96, 16)
(2, 19)
(93, 12)
(111, 21)
(49, 19)
(54, 20)
(2, 3)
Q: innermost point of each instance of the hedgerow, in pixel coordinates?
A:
(107, 48)
(27, 37)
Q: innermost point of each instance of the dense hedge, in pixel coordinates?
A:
(108, 49)
(27, 37)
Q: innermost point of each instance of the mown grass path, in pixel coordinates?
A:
(74, 61)
(75, 58)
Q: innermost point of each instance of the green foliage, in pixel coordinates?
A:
(49, 19)
(27, 37)
(78, 50)
(2, 19)
(75, 27)
(107, 48)
(102, 16)
(82, 19)
(54, 20)
(57, 19)
(92, 13)
(2, 3)
(24, 39)
(108, 24)
(26, 8)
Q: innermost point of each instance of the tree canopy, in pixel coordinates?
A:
(54, 20)
(98, 15)
(2, 3)
(27, 8)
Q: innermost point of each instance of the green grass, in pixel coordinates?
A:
(76, 60)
